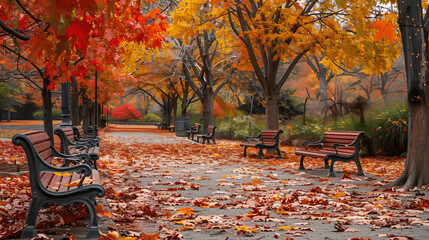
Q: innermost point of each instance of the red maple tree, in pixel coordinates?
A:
(125, 112)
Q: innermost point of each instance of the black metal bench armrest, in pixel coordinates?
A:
(76, 158)
(306, 143)
(339, 145)
(81, 168)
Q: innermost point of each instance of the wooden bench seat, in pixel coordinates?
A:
(335, 145)
(267, 139)
(207, 134)
(62, 185)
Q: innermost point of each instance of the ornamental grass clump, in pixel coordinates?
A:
(388, 129)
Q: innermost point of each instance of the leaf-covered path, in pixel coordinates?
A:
(161, 185)
(213, 192)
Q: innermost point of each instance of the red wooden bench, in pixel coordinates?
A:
(207, 134)
(335, 145)
(60, 185)
(267, 139)
(81, 135)
(70, 146)
(193, 130)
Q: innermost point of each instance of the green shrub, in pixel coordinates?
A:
(239, 125)
(151, 118)
(309, 132)
(387, 129)
(56, 114)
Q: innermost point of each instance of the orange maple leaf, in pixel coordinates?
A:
(114, 236)
(100, 211)
(150, 236)
(384, 29)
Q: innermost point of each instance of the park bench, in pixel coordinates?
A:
(81, 135)
(267, 139)
(207, 134)
(335, 145)
(160, 125)
(193, 130)
(169, 127)
(60, 185)
(70, 146)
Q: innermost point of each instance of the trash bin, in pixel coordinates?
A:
(181, 124)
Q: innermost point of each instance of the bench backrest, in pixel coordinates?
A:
(211, 130)
(37, 147)
(78, 131)
(67, 138)
(270, 136)
(343, 137)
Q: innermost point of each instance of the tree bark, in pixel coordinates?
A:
(414, 39)
(75, 103)
(207, 102)
(271, 110)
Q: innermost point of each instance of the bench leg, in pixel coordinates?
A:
(326, 163)
(301, 163)
(260, 153)
(359, 167)
(245, 148)
(331, 169)
(214, 141)
(93, 224)
(279, 155)
(30, 230)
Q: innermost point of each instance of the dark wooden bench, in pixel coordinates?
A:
(51, 184)
(193, 130)
(267, 139)
(160, 125)
(169, 127)
(335, 145)
(207, 134)
(70, 146)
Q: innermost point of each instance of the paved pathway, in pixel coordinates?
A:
(207, 176)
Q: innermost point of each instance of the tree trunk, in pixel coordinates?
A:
(323, 95)
(207, 102)
(74, 103)
(271, 110)
(47, 110)
(416, 172)
(86, 117)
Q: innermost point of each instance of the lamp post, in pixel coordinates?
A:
(65, 104)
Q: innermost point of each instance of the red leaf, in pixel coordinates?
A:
(79, 32)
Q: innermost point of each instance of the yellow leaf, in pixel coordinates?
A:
(114, 236)
(228, 176)
(245, 228)
(286, 228)
(62, 174)
(76, 183)
(338, 195)
(256, 181)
